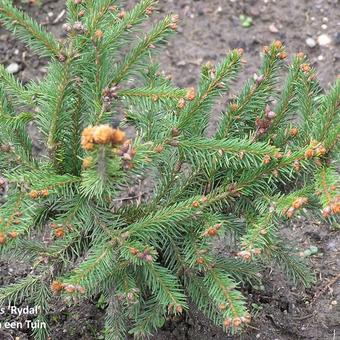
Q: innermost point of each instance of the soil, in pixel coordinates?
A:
(208, 29)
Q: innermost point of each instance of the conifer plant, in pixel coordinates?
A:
(68, 211)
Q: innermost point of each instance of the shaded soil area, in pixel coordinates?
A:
(208, 29)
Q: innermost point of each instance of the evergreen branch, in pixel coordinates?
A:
(74, 151)
(98, 12)
(307, 91)
(157, 35)
(202, 299)
(222, 291)
(14, 87)
(150, 319)
(15, 132)
(115, 325)
(95, 268)
(326, 185)
(293, 265)
(130, 19)
(229, 146)
(195, 116)
(329, 113)
(17, 292)
(28, 30)
(52, 140)
(163, 221)
(289, 91)
(253, 97)
(164, 285)
(153, 93)
(42, 297)
(239, 270)
(258, 233)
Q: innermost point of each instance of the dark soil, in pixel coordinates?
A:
(208, 29)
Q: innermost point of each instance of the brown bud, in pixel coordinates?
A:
(233, 107)
(240, 51)
(335, 208)
(266, 159)
(309, 153)
(98, 34)
(300, 55)
(218, 226)
(237, 322)
(326, 212)
(321, 150)
(195, 204)
(191, 94)
(2, 238)
(122, 14)
(276, 173)
(278, 44)
(283, 55)
(271, 114)
(173, 26)
(59, 232)
(13, 234)
(227, 323)
(34, 194)
(175, 18)
(297, 165)
(44, 193)
(62, 58)
(70, 289)
(159, 148)
(133, 251)
(200, 260)
(126, 157)
(181, 103)
(80, 289)
(78, 26)
(179, 309)
(246, 255)
(278, 155)
(265, 49)
(293, 132)
(290, 212)
(305, 68)
(67, 27)
(212, 232)
(149, 11)
(56, 287)
(257, 251)
(87, 162)
(175, 132)
(148, 258)
(297, 204)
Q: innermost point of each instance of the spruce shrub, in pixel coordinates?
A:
(145, 259)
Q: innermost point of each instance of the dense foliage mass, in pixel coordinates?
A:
(68, 211)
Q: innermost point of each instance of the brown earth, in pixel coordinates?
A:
(208, 29)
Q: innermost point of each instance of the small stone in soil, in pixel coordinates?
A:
(310, 42)
(13, 68)
(324, 40)
(273, 28)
